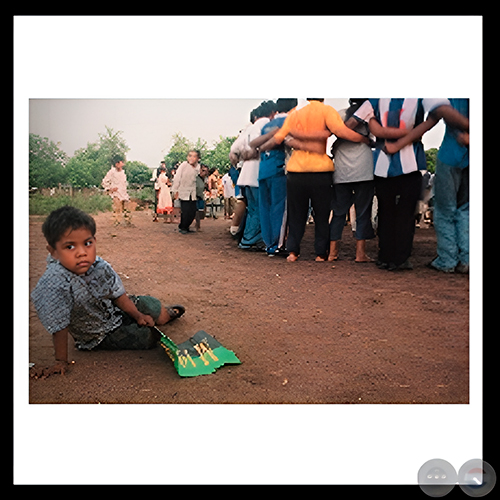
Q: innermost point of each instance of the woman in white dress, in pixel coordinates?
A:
(164, 205)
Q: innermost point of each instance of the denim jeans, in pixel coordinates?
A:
(451, 216)
(272, 199)
(252, 234)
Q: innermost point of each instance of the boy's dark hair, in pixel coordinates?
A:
(283, 105)
(265, 109)
(59, 221)
(116, 158)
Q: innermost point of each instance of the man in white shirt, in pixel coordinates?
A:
(184, 189)
(248, 179)
(229, 199)
(115, 183)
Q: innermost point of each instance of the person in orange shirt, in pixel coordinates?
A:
(310, 171)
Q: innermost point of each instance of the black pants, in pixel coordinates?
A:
(188, 213)
(397, 199)
(300, 188)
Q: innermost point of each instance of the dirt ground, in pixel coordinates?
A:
(305, 332)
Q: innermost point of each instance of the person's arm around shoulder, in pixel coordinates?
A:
(337, 126)
(385, 132)
(414, 135)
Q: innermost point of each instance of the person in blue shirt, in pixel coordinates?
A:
(451, 197)
(272, 183)
(451, 183)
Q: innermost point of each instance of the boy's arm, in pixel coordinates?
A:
(128, 307)
(60, 341)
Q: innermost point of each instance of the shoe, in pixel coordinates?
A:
(405, 266)
(431, 265)
(175, 311)
(462, 268)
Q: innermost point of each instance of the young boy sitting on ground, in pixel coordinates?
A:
(81, 294)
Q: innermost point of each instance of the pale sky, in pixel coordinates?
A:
(148, 124)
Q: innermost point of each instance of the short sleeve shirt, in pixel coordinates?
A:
(451, 152)
(272, 162)
(316, 116)
(353, 160)
(398, 113)
(83, 303)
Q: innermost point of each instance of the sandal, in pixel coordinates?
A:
(175, 311)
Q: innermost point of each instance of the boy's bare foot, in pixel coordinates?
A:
(292, 257)
(320, 258)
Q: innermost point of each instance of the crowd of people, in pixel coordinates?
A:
(282, 175)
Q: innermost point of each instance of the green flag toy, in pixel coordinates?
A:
(199, 355)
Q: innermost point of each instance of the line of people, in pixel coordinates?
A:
(282, 169)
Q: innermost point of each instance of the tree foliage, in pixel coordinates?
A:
(431, 158)
(137, 172)
(46, 162)
(50, 166)
(217, 156)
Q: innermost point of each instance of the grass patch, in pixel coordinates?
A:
(40, 204)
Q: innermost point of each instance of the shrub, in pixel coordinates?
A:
(40, 204)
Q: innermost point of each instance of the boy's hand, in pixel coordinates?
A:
(60, 367)
(145, 320)
(128, 307)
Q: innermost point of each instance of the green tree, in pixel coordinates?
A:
(46, 162)
(89, 165)
(112, 143)
(431, 158)
(137, 172)
(218, 157)
(178, 151)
